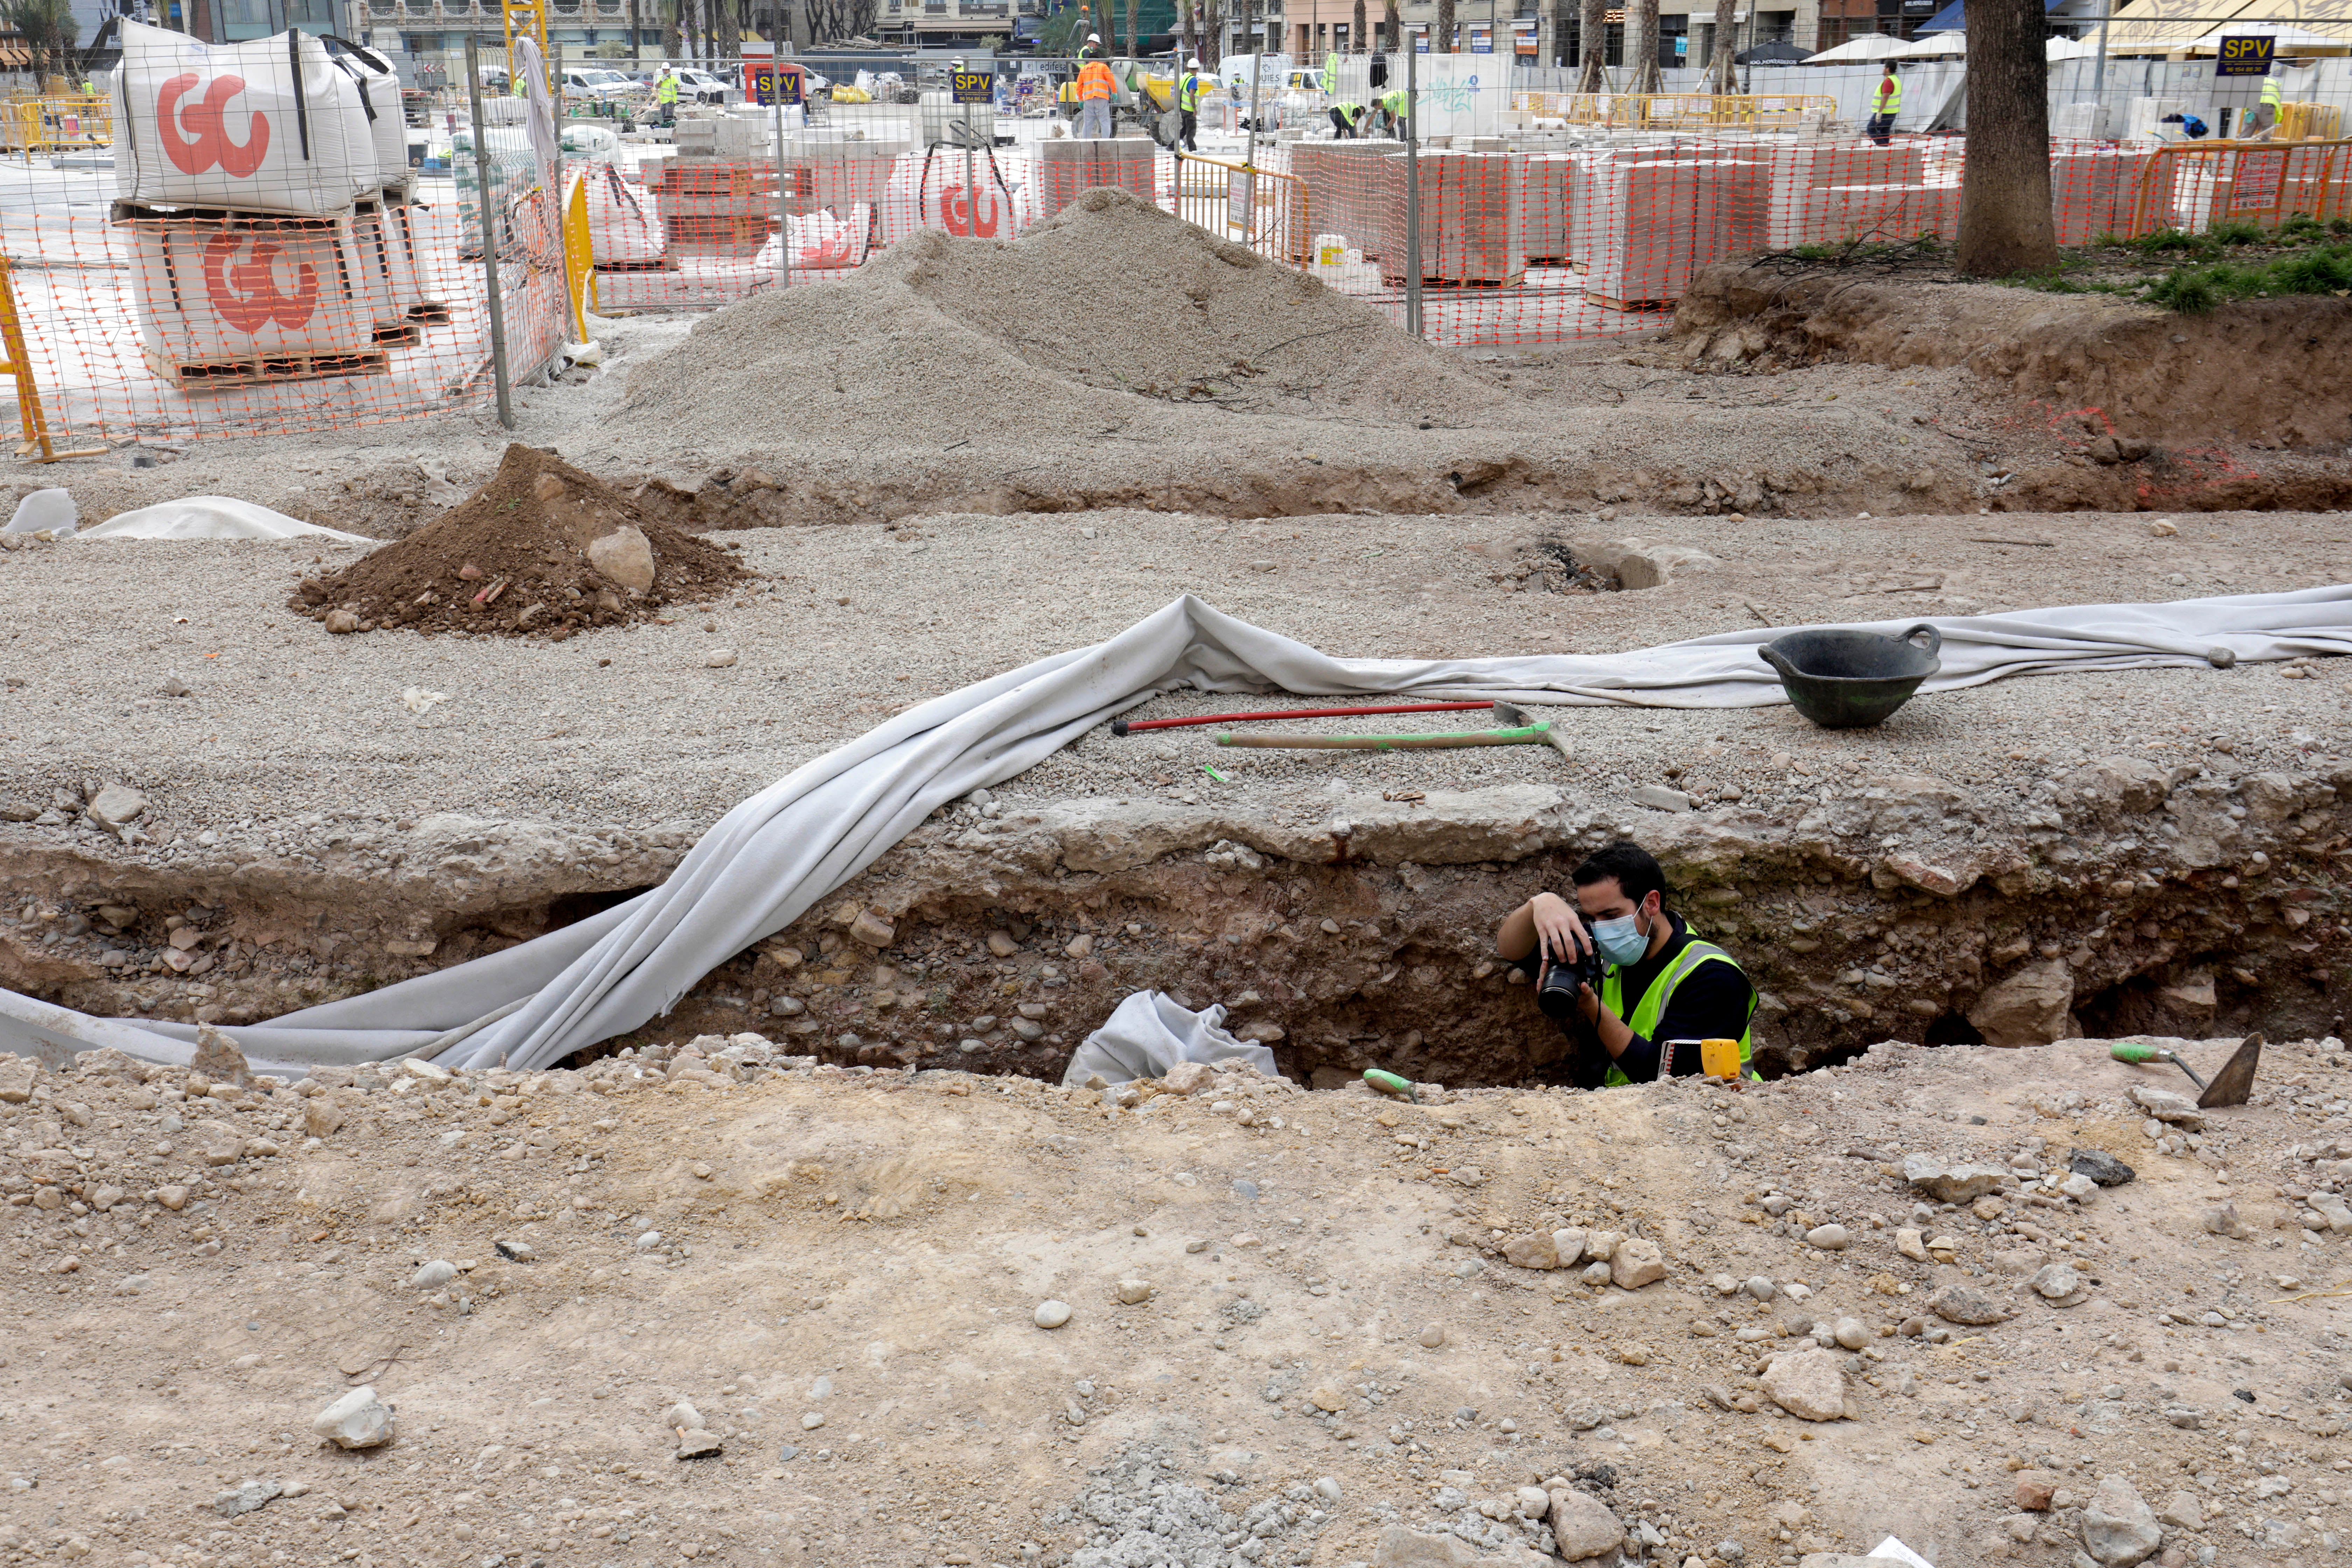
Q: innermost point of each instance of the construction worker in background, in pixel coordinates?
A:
(1188, 104)
(2263, 118)
(1885, 105)
(666, 94)
(1393, 107)
(1093, 49)
(1345, 117)
(1095, 84)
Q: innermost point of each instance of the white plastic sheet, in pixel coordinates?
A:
(1150, 1032)
(52, 509)
(777, 854)
(213, 517)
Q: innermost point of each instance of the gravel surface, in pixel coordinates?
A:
(631, 728)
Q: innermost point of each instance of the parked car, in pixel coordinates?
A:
(588, 81)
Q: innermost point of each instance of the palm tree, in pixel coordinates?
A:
(1356, 33)
(1444, 44)
(48, 27)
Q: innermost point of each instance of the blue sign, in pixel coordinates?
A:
(2245, 57)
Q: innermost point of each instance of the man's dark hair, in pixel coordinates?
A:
(1631, 867)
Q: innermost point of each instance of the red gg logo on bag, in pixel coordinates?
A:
(211, 142)
(245, 294)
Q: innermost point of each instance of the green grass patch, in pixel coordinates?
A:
(2324, 269)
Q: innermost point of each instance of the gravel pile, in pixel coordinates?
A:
(542, 551)
(942, 337)
(1140, 1512)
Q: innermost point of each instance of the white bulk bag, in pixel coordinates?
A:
(624, 227)
(270, 126)
(378, 85)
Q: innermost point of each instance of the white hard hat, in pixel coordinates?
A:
(1093, 38)
(1192, 64)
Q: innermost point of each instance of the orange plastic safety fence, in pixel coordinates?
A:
(166, 321)
(2190, 187)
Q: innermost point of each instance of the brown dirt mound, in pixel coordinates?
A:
(542, 551)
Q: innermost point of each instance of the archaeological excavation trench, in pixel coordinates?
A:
(2127, 900)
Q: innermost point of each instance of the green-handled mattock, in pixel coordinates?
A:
(2230, 1086)
(2135, 1054)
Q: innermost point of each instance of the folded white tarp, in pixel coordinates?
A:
(213, 517)
(774, 856)
(1150, 1032)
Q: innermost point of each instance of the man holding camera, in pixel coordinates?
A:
(1619, 942)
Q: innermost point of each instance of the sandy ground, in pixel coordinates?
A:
(630, 728)
(838, 1273)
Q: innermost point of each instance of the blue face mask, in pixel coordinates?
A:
(1620, 941)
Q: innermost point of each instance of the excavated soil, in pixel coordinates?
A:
(1326, 1329)
(2160, 403)
(513, 560)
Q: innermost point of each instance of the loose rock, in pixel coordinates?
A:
(358, 1420)
(1810, 1385)
(1582, 1525)
(2119, 1528)
(1051, 1314)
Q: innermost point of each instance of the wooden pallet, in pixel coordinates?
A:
(429, 313)
(398, 334)
(1605, 302)
(255, 370)
(659, 264)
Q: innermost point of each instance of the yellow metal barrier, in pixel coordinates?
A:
(1265, 211)
(33, 125)
(32, 422)
(1676, 110)
(579, 257)
(2189, 186)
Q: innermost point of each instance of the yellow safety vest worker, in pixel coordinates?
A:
(1353, 113)
(666, 90)
(1395, 103)
(1888, 99)
(1643, 1019)
(1187, 92)
(2271, 91)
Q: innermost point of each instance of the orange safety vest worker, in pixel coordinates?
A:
(1095, 81)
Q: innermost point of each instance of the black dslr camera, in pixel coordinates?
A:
(1566, 977)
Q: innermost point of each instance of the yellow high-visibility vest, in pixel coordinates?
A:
(1888, 99)
(1644, 1020)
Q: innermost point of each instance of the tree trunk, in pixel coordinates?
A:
(1444, 43)
(673, 33)
(2005, 222)
(730, 41)
(1356, 33)
(1726, 43)
(1213, 35)
(1391, 38)
(1191, 35)
(1642, 46)
(1594, 42)
(636, 28)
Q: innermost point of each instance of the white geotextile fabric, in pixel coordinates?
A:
(774, 856)
(213, 517)
(1150, 1032)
